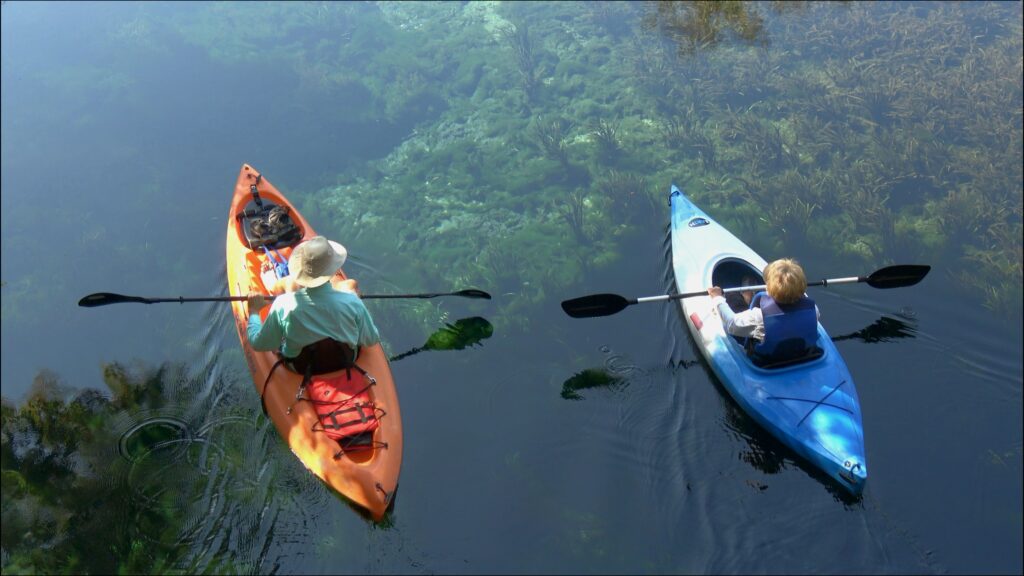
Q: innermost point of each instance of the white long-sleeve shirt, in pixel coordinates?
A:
(749, 323)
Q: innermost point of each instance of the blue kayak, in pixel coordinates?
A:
(811, 404)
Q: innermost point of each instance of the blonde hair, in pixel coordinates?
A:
(785, 280)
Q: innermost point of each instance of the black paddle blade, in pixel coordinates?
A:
(898, 276)
(472, 293)
(104, 298)
(594, 305)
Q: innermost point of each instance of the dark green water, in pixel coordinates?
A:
(525, 149)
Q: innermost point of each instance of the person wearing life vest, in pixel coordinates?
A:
(323, 307)
(783, 321)
(317, 324)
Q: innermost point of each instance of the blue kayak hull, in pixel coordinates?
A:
(812, 407)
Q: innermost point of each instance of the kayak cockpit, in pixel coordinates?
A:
(732, 273)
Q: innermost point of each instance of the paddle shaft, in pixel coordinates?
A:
(268, 298)
(665, 297)
(896, 276)
(105, 298)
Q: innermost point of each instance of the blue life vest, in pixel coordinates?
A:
(790, 330)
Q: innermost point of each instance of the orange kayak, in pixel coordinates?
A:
(366, 477)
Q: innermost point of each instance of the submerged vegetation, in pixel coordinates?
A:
(515, 145)
(61, 483)
(116, 482)
(866, 134)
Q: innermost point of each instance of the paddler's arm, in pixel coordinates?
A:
(343, 284)
(368, 333)
(263, 337)
(748, 323)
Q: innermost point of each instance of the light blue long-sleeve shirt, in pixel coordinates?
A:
(297, 319)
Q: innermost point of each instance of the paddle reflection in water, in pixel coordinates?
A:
(590, 378)
(464, 333)
(885, 329)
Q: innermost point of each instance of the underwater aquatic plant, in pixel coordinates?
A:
(683, 132)
(792, 215)
(861, 121)
(755, 78)
(550, 137)
(623, 189)
(653, 69)
(614, 17)
(608, 146)
(966, 214)
(517, 37)
(694, 26)
(819, 139)
(705, 149)
(573, 211)
(881, 103)
(502, 264)
(674, 132)
(764, 147)
(65, 489)
(808, 188)
(996, 270)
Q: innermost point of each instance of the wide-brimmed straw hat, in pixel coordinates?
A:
(314, 261)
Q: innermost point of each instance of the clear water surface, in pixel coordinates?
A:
(525, 149)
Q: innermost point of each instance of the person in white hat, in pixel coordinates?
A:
(316, 310)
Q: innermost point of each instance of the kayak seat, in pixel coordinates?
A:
(268, 225)
(322, 357)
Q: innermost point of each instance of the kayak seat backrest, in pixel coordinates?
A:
(323, 356)
(268, 225)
